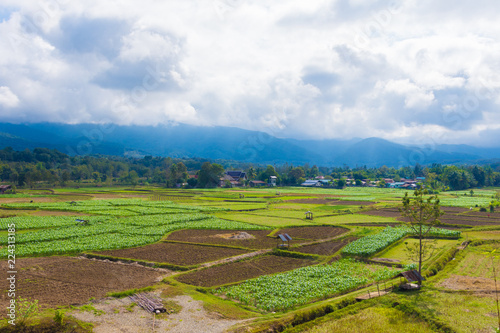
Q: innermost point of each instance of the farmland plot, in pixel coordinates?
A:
(301, 286)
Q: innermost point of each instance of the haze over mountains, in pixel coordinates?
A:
(230, 143)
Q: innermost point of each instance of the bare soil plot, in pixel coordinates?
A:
(242, 270)
(324, 249)
(120, 315)
(314, 232)
(70, 281)
(175, 253)
(478, 285)
(260, 240)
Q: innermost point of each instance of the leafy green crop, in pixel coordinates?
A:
(303, 285)
(372, 244)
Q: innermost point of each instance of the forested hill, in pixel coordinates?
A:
(45, 167)
(185, 141)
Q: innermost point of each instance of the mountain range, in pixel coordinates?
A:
(230, 143)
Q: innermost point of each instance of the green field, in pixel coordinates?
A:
(120, 218)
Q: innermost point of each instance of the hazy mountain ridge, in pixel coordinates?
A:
(229, 143)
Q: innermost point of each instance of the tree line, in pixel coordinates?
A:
(49, 167)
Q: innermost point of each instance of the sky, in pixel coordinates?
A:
(408, 71)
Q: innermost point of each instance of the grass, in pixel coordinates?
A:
(399, 252)
(375, 319)
(475, 263)
(463, 313)
(294, 214)
(493, 234)
(262, 220)
(354, 218)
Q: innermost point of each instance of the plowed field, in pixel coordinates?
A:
(67, 280)
(174, 253)
(242, 270)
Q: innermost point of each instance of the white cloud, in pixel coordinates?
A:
(317, 69)
(7, 98)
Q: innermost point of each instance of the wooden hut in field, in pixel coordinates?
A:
(5, 188)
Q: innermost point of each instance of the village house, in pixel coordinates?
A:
(5, 188)
(312, 183)
(257, 183)
(235, 178)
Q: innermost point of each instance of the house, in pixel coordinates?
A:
(257, 183)
(312, 183)
(225, 179)
(396, 185)
(4, 188)
(238, 176)
(272, 180)
(388, 180)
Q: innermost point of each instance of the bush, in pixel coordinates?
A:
(59, 317)
(482, 209)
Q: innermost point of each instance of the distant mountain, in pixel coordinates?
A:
(229, 143)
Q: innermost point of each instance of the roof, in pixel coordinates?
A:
(227, 177)
(236, 174)
(257, 182)
(284, 237)
(273, 177)
(2, 187)
(412, 276)
(310, 182)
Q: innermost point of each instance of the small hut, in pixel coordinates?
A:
(411, 276)
(285, 241)
(5, 188)
(309, 215)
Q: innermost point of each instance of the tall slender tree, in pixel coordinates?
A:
(421, 214)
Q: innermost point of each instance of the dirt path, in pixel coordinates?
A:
(118, 315)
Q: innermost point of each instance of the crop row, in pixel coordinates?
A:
(61, 235)
(40, 222)
(116, 207)
(301, 286)
(372, 244)
(65, 232)
(78, 244)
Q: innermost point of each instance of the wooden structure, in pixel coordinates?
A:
(285, 240)
(149, 302)
(309, 215)
(5, 188)
(410, 276)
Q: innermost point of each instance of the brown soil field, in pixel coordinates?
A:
(452, 216)
(331, 202)
(242, 270)
(175, 253)
(57, 281)
(313, 232)
(24, 200)
(261, 241)
(324, 249)
(477, 285)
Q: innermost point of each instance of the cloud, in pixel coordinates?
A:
(7, 98)
(336, 69)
